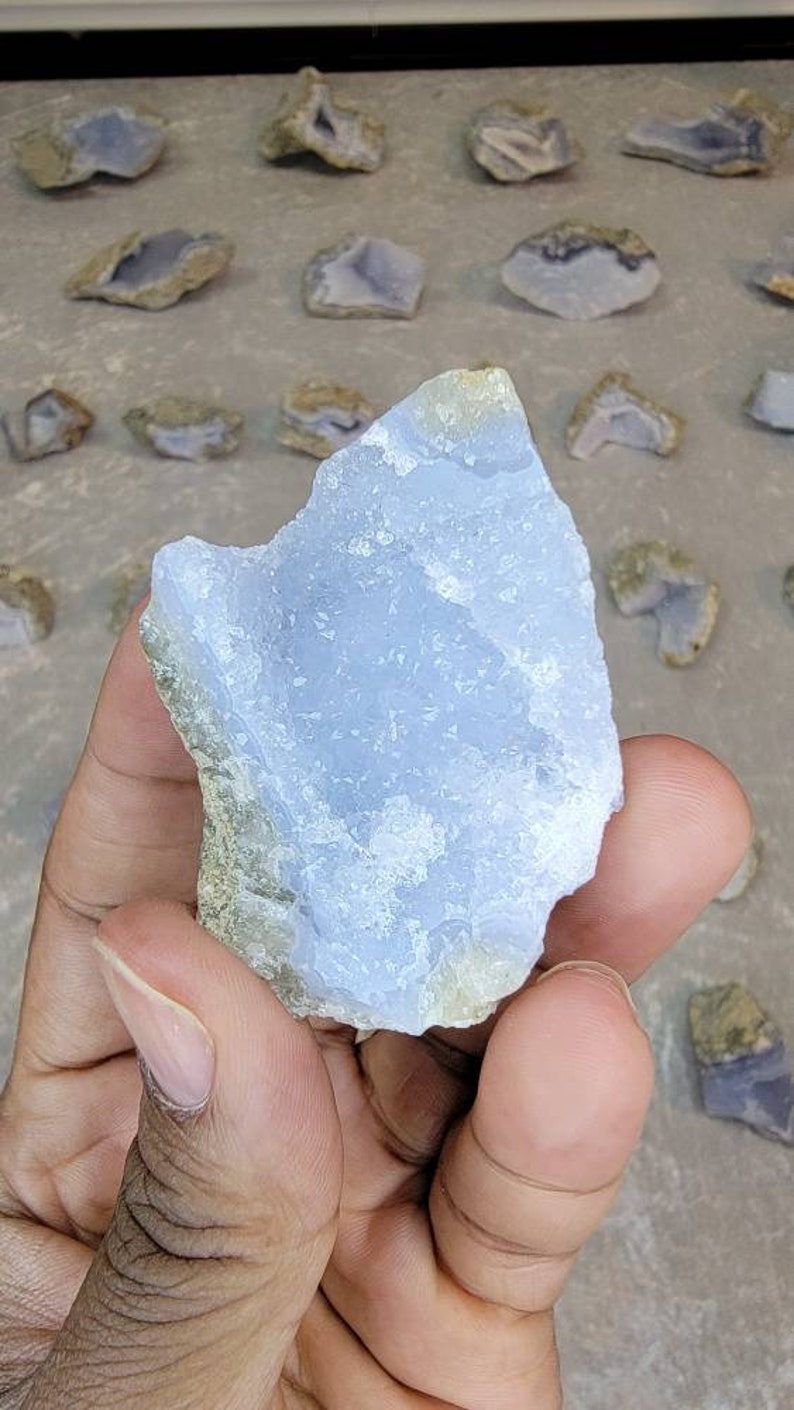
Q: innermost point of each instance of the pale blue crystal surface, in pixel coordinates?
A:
(401, 715)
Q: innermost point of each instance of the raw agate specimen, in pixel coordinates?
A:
(363, 277)
(516, 142)
(114, 141)
(27, 607)
(615, 412)
(731, 139)
(655, 577)
(311, 119)
(776, 274)
(771, 400)
(788, 587)
(151, 271)
(321, 417)
(401, 715)
(52, 421)
(130, 584)
(745, 873)
(180, 428)
(582, 271)
(745, 1069)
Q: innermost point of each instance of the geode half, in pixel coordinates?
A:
(364, 277)
(656, 578)
(115, 141)
(581, 271)
(320, 417)
(151, 271)
(401, 716)
(736, 138)
(615, 412)
(515, 141)
(184, 428)
(310, 118)
(50, 422)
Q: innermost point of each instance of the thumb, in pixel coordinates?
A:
(226, 1215)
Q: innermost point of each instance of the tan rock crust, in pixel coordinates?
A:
(25, 596)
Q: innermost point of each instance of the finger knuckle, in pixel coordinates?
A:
(162, 1239)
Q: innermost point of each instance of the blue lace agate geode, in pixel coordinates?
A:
(400, 712)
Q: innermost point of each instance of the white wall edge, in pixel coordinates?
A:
(212, 14)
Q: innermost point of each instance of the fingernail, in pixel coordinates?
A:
(601, 972)
(172, 1043)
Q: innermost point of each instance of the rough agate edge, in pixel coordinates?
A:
(401, 715)
(115, 141)
(517, 142)
(310, 118)
(771, 401)
(580, 271)
(152, 271)
(616, 412)
(745, 1067)
(736, 138)
(655, 578)
(51, 422)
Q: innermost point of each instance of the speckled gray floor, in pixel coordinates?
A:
(684, 1299)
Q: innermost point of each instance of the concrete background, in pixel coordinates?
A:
(685, 1298)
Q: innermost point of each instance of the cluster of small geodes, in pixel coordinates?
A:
(573, 270)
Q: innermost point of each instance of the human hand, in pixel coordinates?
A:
(235, 1258)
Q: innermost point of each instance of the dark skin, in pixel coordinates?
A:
(334, 1223)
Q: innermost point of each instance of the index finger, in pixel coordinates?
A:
(130, 827)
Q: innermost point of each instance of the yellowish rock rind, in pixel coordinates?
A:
(23, 592)
(726, 1022)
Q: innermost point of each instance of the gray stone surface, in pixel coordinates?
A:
(684, 1298)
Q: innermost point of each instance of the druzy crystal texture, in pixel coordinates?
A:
(401, 716)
